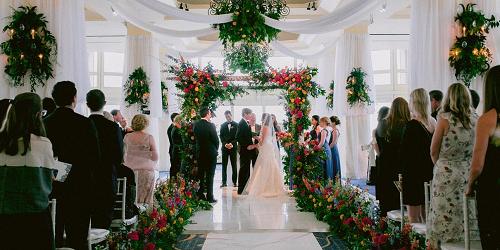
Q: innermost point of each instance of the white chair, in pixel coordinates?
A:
(53, 206)
(97, 235)
(121, 195)
(421, 228)
(467, 244)
(398, 215)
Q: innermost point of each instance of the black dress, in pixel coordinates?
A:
(387, 167)
(488, 193)
(176, 143)
(416, 162)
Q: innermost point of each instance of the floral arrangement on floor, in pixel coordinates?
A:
(469, 56)
(354, 217)
(357, 88)
(164, 96)
(137, 89)
(246, 57)
(329, 97)
(30, 49)
(160, 226)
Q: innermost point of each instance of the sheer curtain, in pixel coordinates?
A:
(353, 50)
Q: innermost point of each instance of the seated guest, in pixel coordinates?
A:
(388, 134)
(26, 165)
(177, 144)
(314, 131)
(74, 141)
(415, 158)
(335, 121)
(475, 98)
(324, 139)
(436, 96)
(49, 106)
(141, 156)
(111, 144)
(485, 168)
(451, 152)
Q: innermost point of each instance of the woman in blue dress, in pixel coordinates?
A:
(324, 142)
(333, 146)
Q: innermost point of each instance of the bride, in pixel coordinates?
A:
(267, 177)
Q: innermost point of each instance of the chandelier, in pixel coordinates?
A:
(265, 6)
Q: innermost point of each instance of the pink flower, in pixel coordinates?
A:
(225, 84)
(134, 235)
(189, 71)
(150, 246)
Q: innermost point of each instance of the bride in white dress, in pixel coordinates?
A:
(267, 177)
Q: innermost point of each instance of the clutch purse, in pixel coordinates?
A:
(63, 169)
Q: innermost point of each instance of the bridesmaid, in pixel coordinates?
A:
(324, 139)
(315, 125)
(335, 121)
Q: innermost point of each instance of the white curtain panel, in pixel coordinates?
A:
(353, 50)
(189, 54)
(278, 46)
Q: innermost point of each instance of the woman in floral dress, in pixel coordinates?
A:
(451, 151)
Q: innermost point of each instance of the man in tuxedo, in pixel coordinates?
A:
(207, 144)
(229, 145)
(111, 145)
(255, 133)
(171, 145)
(246, 147)
(74, 141)
(121, 121)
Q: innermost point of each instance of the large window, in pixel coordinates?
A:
(106, 74)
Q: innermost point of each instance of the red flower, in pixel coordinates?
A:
(147, 231)
(177, 200)
(134, 235)
(186, 90)
(366, 221)
(189, 71)
(225, 84)
(380, 239)
(162, 222)
(348, 221)
(154, 213)
(317, 148)
(150, 246)
(297, 101)
(300, 114)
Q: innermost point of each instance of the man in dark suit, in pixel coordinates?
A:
(246, 147)
(229, 146)
(436, 98)
(111, 145)
(121, 121)
(74, 141)
(207, 145)
(171, 145)
(255, 134)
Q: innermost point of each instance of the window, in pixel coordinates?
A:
(106, 74)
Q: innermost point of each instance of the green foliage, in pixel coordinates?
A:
(357, 88)
(247, 57)
(137, 89)
(164, 96)
(30, 49)
(329, 97)
(469, 55)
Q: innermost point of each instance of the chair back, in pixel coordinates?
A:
(427, 192)
(399, 186)
(53, 207)
(469, 215)
(121, 196)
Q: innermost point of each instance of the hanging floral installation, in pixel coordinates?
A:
(469, 56)
(329, 97)
(246, 57)
(357, 88)
(31, 48)
(137, 89)
(164, 96)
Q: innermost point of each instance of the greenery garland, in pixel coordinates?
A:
(469, 56)
(137, 89)
(329, 97)
(246, 57)
(164, 96)
(30, 49)
(357, 88)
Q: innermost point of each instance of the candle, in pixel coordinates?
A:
(22, 56)
(32, 33)
(464, 30)
(41, 57)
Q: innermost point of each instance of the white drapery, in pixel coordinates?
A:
(353, 50)
(189, 54)
(66, 21)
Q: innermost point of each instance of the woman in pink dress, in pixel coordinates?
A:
(141, 156)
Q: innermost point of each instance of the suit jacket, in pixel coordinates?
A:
(74, 140)
(244, 136)
(207, 142)
(169, 134)
(257, 132)
(228, 135)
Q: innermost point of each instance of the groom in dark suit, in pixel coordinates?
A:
(247, 148)
(229, 146)
(207, 145)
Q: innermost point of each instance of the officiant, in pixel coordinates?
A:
(229, 146)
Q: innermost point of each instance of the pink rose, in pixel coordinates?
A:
(225, 84)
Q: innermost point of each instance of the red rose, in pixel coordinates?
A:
(348, 221)
(186, 90)
(317, 148)
(189, 71)
(297, 101)
(147, 231)
(366, 221)
(162, 222)
(134, 235)
(225, 84)
(150, 246)
(154, 213)
(177, 200)
(300, 115)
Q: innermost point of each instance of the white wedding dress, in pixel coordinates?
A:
(267, 177)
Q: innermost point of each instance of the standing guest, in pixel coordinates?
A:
(74, 141)
(48, 106)
(171, 145)
(26, 165)
(485, 168)
(372, 176)
(111, 145)
(229, 146)
(315, 123)
(416, 162)
(246, 148)
(324, 139)
(451, 152)
(436, 98)
(108, 116)
(207, 144)
(177, 144)
(4, 105)
(475, 98)
(141, 156)
(255, 128)
(389, 133)
(122, 122)
(335, 121)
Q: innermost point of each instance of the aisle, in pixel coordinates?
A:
(236, 223)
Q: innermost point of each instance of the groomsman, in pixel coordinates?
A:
(207, 145)
(255, 133)
(246, 148)
(229, 145)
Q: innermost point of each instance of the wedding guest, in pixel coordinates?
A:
(177, 145)
(141, 156)
(381, 115)
(48, 106)
(324, 139)
(74, 141)
(315, 123)
(416, 160)
(171, 145)
(436, 98)
(229, 147)
(335, 121)
(451, 152)
(485, 168)
(4, 105)
(475, 98)
(389, 134)
(122, 122)
(374, 154)
(26, 165)
(108, 116)
(111, 145)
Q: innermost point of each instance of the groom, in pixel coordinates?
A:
(247, 148)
